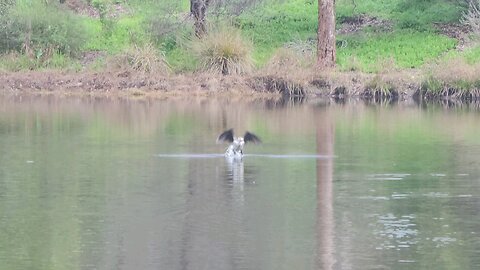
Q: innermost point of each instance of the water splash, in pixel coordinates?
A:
(293, 156)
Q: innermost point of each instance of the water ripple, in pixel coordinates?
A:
(191, 155)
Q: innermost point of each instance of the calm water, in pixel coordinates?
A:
(116, 184)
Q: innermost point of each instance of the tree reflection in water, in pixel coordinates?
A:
(325, 132)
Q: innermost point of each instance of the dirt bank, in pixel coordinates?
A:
(403, 85)
(126, 83)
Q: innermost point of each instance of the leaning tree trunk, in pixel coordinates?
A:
(326, 51)
(198, 8)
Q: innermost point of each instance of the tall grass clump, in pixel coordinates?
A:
(382, 84)
(289, 63)
(288, 71)
(40, 28)
(224, 51)
(144, 59)
(453, 77)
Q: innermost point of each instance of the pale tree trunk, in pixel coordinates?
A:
(326, 50)
(198, 9)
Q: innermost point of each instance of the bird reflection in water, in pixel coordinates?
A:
(234, 159)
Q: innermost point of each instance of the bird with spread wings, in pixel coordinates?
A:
(235, 149)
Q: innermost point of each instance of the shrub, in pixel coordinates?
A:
(37, 28)
(15, 61)
(224, 51)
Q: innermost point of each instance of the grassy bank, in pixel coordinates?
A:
(384, 40)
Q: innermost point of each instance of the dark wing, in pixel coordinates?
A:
(250, 137)
(226, 136)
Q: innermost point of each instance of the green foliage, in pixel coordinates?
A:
(36, 27)
(103, 7)
(126, 32)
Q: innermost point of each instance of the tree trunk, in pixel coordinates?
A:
(326, 51)
(198, 8)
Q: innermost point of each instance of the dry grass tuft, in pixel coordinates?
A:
(453, 77)
(288, 72)
(454, 70)
(288, 63)
(144, 59)
(471, 18)
(382, 84)
(224, 51)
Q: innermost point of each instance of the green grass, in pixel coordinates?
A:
(407, 49)
(421, 14)
(409, 14)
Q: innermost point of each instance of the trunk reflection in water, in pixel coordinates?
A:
(325, 129)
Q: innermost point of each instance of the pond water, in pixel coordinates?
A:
(140, 184)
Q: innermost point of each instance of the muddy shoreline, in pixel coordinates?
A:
(130, 84)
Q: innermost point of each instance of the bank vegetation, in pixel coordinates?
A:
(423, 49)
